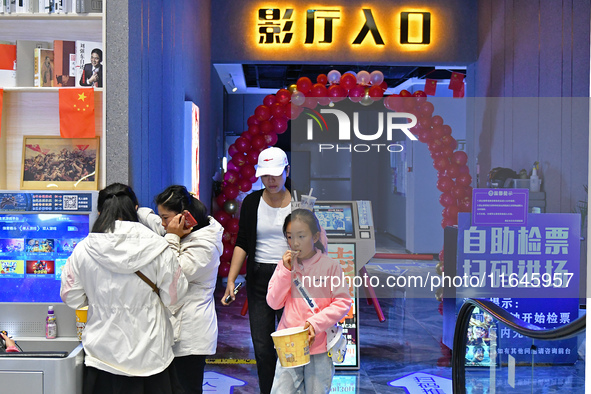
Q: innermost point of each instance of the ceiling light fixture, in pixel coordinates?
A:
(231, 85)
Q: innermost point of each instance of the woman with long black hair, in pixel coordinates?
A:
(128, 337)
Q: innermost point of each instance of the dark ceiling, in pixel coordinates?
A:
(277, 76)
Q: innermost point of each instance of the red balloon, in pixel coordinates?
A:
(266, 127)
(348, 81)
(451, 212)
(258, 142)
(452, 170)
(226, 236)
(446, 222)
(464, 169)
(441, 254)
(304, 84)
(252, 156)
(447, 140)
(239, 159)
(465, 204)
(337, 93)
(459, 192)
(232, 226)
(222, 217)
(231, 177)
(262, 112)
(269, 100)
(408, 104)
(376, 93)
(425, 122)
(437, 120)
(247, 171)
(446, 199)
(271, 139)
(356, 93)
(323, 101)
(294, 111)
(446, 129)
(437, 131)
(277, 110)
(246, 135)
(221, 199)
(384, 86)
(224, 268)
(232, 167)
(405, 93)
(279, 124)
(444, 184)
(252, 120)
(232, 150)
(310, 102)
(283, 96)
(231, 191)
(242, 144)
(420, 97)
(447, 151)
(441, 163)
(425, 136)
(460, 158)
(254, 130)
(435, 145)
(322, 79)
(244, 185)
(463, 180)
(319, 90)
(427, 108)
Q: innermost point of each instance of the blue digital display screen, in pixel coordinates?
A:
(33, 250)
(336, 219)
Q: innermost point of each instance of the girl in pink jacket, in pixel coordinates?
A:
(307, 264)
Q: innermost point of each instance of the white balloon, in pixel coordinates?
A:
(363, 77)
(333, 77)
(298, 98)
(366, 100)
(376, 77)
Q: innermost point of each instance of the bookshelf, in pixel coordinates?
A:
(35, 111)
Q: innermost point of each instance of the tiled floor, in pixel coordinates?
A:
(409, 341)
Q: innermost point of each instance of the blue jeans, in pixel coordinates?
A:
(313, 378)
(263, 322)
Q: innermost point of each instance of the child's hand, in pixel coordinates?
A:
(177, 226)
(287, 259)
(311, 333)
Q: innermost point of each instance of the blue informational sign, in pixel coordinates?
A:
(499, 206)
(532, 271)
(537, 260)
(422, 383)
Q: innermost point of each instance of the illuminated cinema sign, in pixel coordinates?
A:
(277, 27)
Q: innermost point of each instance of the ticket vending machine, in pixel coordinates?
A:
(351, 241)
(38, 232)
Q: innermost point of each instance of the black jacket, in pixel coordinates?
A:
(247, 233)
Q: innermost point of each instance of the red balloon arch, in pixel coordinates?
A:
(271, 118)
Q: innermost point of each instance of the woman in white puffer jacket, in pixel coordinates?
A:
(128, 337)
(198, 249)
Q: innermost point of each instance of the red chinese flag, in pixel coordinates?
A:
(1, 99)
(430, 86)
(456, 81)
(459, 93)
(77, 113)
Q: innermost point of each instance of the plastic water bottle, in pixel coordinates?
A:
(50, 324)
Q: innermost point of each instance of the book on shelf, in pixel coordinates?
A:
(89, 68)
(25, 61)
(44, 67)
(7, 65)
(89, 6)
(64, 57)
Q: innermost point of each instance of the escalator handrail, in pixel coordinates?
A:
(529, 330)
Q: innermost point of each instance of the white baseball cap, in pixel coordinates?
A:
(272, 161)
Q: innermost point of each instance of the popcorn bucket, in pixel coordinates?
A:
(81, 315)
(292, 347)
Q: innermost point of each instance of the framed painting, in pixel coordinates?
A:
(56, 163)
